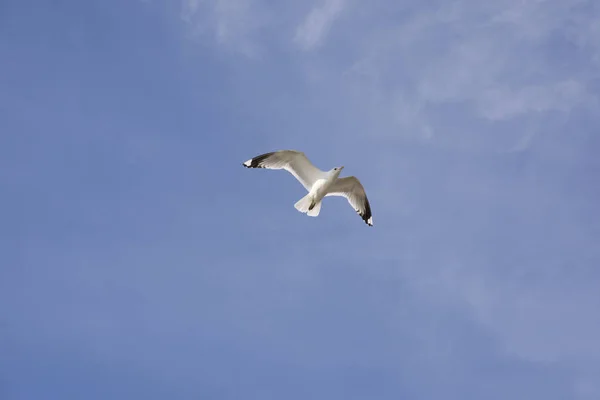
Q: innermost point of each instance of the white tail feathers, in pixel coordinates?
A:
(306, 205)
(315, 211)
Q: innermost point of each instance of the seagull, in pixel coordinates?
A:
(319, 184)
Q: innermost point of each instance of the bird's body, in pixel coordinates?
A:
(319, 184)
(321, 187)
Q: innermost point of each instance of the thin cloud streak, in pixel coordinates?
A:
(311, 33)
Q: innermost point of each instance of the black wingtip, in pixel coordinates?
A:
(257, 161)
(366, 215)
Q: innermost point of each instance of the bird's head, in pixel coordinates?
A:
(337, 170)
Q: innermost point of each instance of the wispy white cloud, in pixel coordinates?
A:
(312, 31)
(494, 61)
(505, 103)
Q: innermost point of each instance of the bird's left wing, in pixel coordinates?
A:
(351, 188)
(295, 162)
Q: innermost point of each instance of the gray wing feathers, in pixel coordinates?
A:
(351, 188)
(295, 162)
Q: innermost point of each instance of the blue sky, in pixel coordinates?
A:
(139, 258)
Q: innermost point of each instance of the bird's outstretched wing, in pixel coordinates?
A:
(295, 162)
(354, 192)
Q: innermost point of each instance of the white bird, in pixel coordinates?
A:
(318, 183)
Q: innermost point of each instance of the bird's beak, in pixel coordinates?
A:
(341, 168)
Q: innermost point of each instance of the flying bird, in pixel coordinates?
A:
(319, 184)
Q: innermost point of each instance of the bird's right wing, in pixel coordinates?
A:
(295, 162)
(351, 188)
